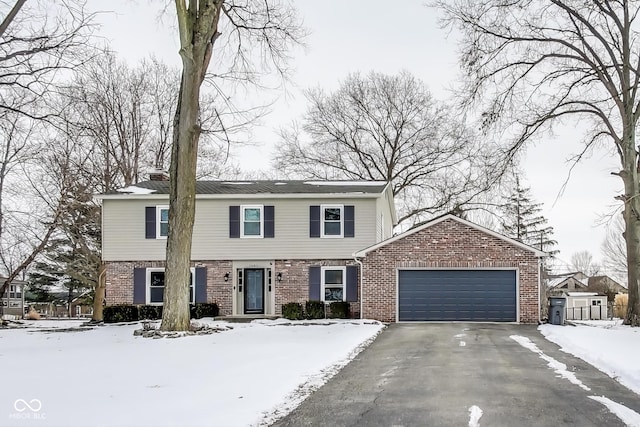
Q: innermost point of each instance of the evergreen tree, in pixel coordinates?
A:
(522, 220)
(71, 260)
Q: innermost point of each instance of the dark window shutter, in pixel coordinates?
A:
(234, 221)
(314, 221)
(314, 283)
(352, 283)
(349, 221)
(201, 284)
(139, 285)
(150, 222)
(269, 221)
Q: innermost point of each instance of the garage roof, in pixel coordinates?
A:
(440, 219)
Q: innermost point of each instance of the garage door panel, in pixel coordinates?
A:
(464, 295)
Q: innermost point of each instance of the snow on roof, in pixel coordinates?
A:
(344, 182)
(583, 281)
(556, 281)
(552, 283)
(132, 189)
(582, 294)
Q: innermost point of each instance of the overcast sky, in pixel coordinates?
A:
(365, 35)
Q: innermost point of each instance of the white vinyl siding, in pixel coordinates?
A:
(124, 231)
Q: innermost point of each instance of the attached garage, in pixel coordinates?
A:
(450, 269)
(457, 295)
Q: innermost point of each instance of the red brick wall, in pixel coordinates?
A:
(295, 282)
(294, 286)
(119, 278)
(448, 244)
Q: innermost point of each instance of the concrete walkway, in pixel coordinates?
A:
(444, 374)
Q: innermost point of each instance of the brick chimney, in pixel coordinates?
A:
(158, 175)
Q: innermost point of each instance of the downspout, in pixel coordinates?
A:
(540, 290)
(355, 258)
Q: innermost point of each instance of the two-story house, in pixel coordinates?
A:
(260, 244)
(256, 244)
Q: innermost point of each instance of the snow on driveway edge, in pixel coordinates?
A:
(313, 383)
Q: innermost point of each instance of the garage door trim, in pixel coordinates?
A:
(397, 288)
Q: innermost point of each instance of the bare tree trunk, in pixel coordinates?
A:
(182, 182)
(198, 28)
(98, 297)
(632, 234)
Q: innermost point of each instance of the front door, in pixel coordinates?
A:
(254, 291)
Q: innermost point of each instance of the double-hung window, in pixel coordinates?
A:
(332, 220)
(155, 285)
(252, 221)
(162, 222)
(333, 283)
(14, 292)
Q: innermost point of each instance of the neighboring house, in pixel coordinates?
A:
(606, 285)
(586, 306)
(562, 284)
(82, 305)
(61, 304)
(260, 244)
(12, 302)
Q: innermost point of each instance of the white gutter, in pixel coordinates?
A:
(539, 290)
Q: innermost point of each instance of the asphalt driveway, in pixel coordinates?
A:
(434, 374)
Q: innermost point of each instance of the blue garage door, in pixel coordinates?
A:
(464, 295)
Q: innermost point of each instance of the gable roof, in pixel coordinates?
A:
(556, 281)
(440, 219)
(260, 187)
(594, 280)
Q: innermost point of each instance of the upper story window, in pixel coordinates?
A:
(14, 292)
(332, 219)
(162, 222)
(252, 221)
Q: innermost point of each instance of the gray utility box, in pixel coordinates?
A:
(557, 310)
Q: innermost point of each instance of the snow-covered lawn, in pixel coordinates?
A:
(608, 345)
(248, 375)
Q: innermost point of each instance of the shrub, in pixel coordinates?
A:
(149, 312)
(120, 313)
(314, 309)
(200, 310)
(292, 311)
(620, 306)
(339, 309)
(32, 315)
